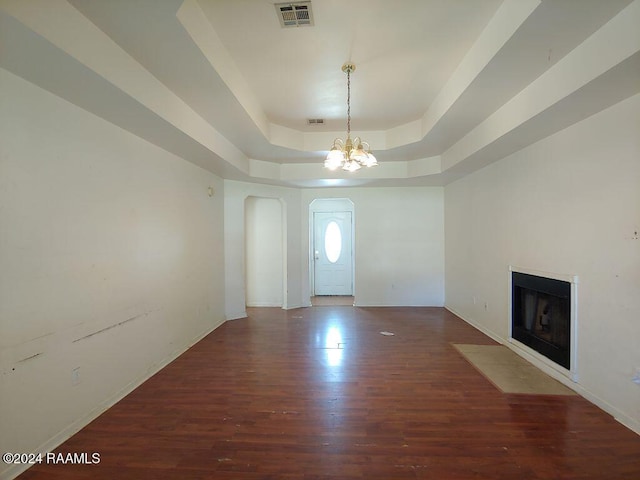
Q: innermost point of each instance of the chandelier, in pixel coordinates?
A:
(350, 155)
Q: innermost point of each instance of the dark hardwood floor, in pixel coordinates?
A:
(319, 393)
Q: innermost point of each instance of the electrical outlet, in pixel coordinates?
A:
(75, 376)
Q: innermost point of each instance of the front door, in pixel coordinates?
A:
(333, 263)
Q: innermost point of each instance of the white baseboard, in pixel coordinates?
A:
(619, 416)
(52, 443)
(375, 304)
(294, 306)
(477, 326)
(236, 315)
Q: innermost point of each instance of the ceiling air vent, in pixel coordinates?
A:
(294, 14)
(315, 121)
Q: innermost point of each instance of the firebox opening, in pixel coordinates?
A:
(541, 316)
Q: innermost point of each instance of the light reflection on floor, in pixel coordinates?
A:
(334, 365)
(334, 346)
(331, 345)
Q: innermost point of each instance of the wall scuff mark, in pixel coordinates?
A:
(110, 327)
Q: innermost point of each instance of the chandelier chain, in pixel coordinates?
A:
(348, 103)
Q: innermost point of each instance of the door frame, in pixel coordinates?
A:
(328, 205)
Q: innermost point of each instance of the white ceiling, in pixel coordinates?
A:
(441, 87)
(404, 53)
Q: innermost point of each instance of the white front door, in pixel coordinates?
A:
(333, 263)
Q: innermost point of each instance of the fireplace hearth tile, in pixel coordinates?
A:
(509, 372)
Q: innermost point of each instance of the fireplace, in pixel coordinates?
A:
(541, 316)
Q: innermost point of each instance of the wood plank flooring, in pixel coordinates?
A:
(319, 393)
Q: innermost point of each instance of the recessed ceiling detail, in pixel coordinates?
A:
(294, 14)
(315, 121)
(228, 97)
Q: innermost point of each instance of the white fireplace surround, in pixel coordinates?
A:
(542, 362)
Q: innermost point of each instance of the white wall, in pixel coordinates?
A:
(399, 244)
(111, 261)
(235, 194)
(569, 204)
(263, 252)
